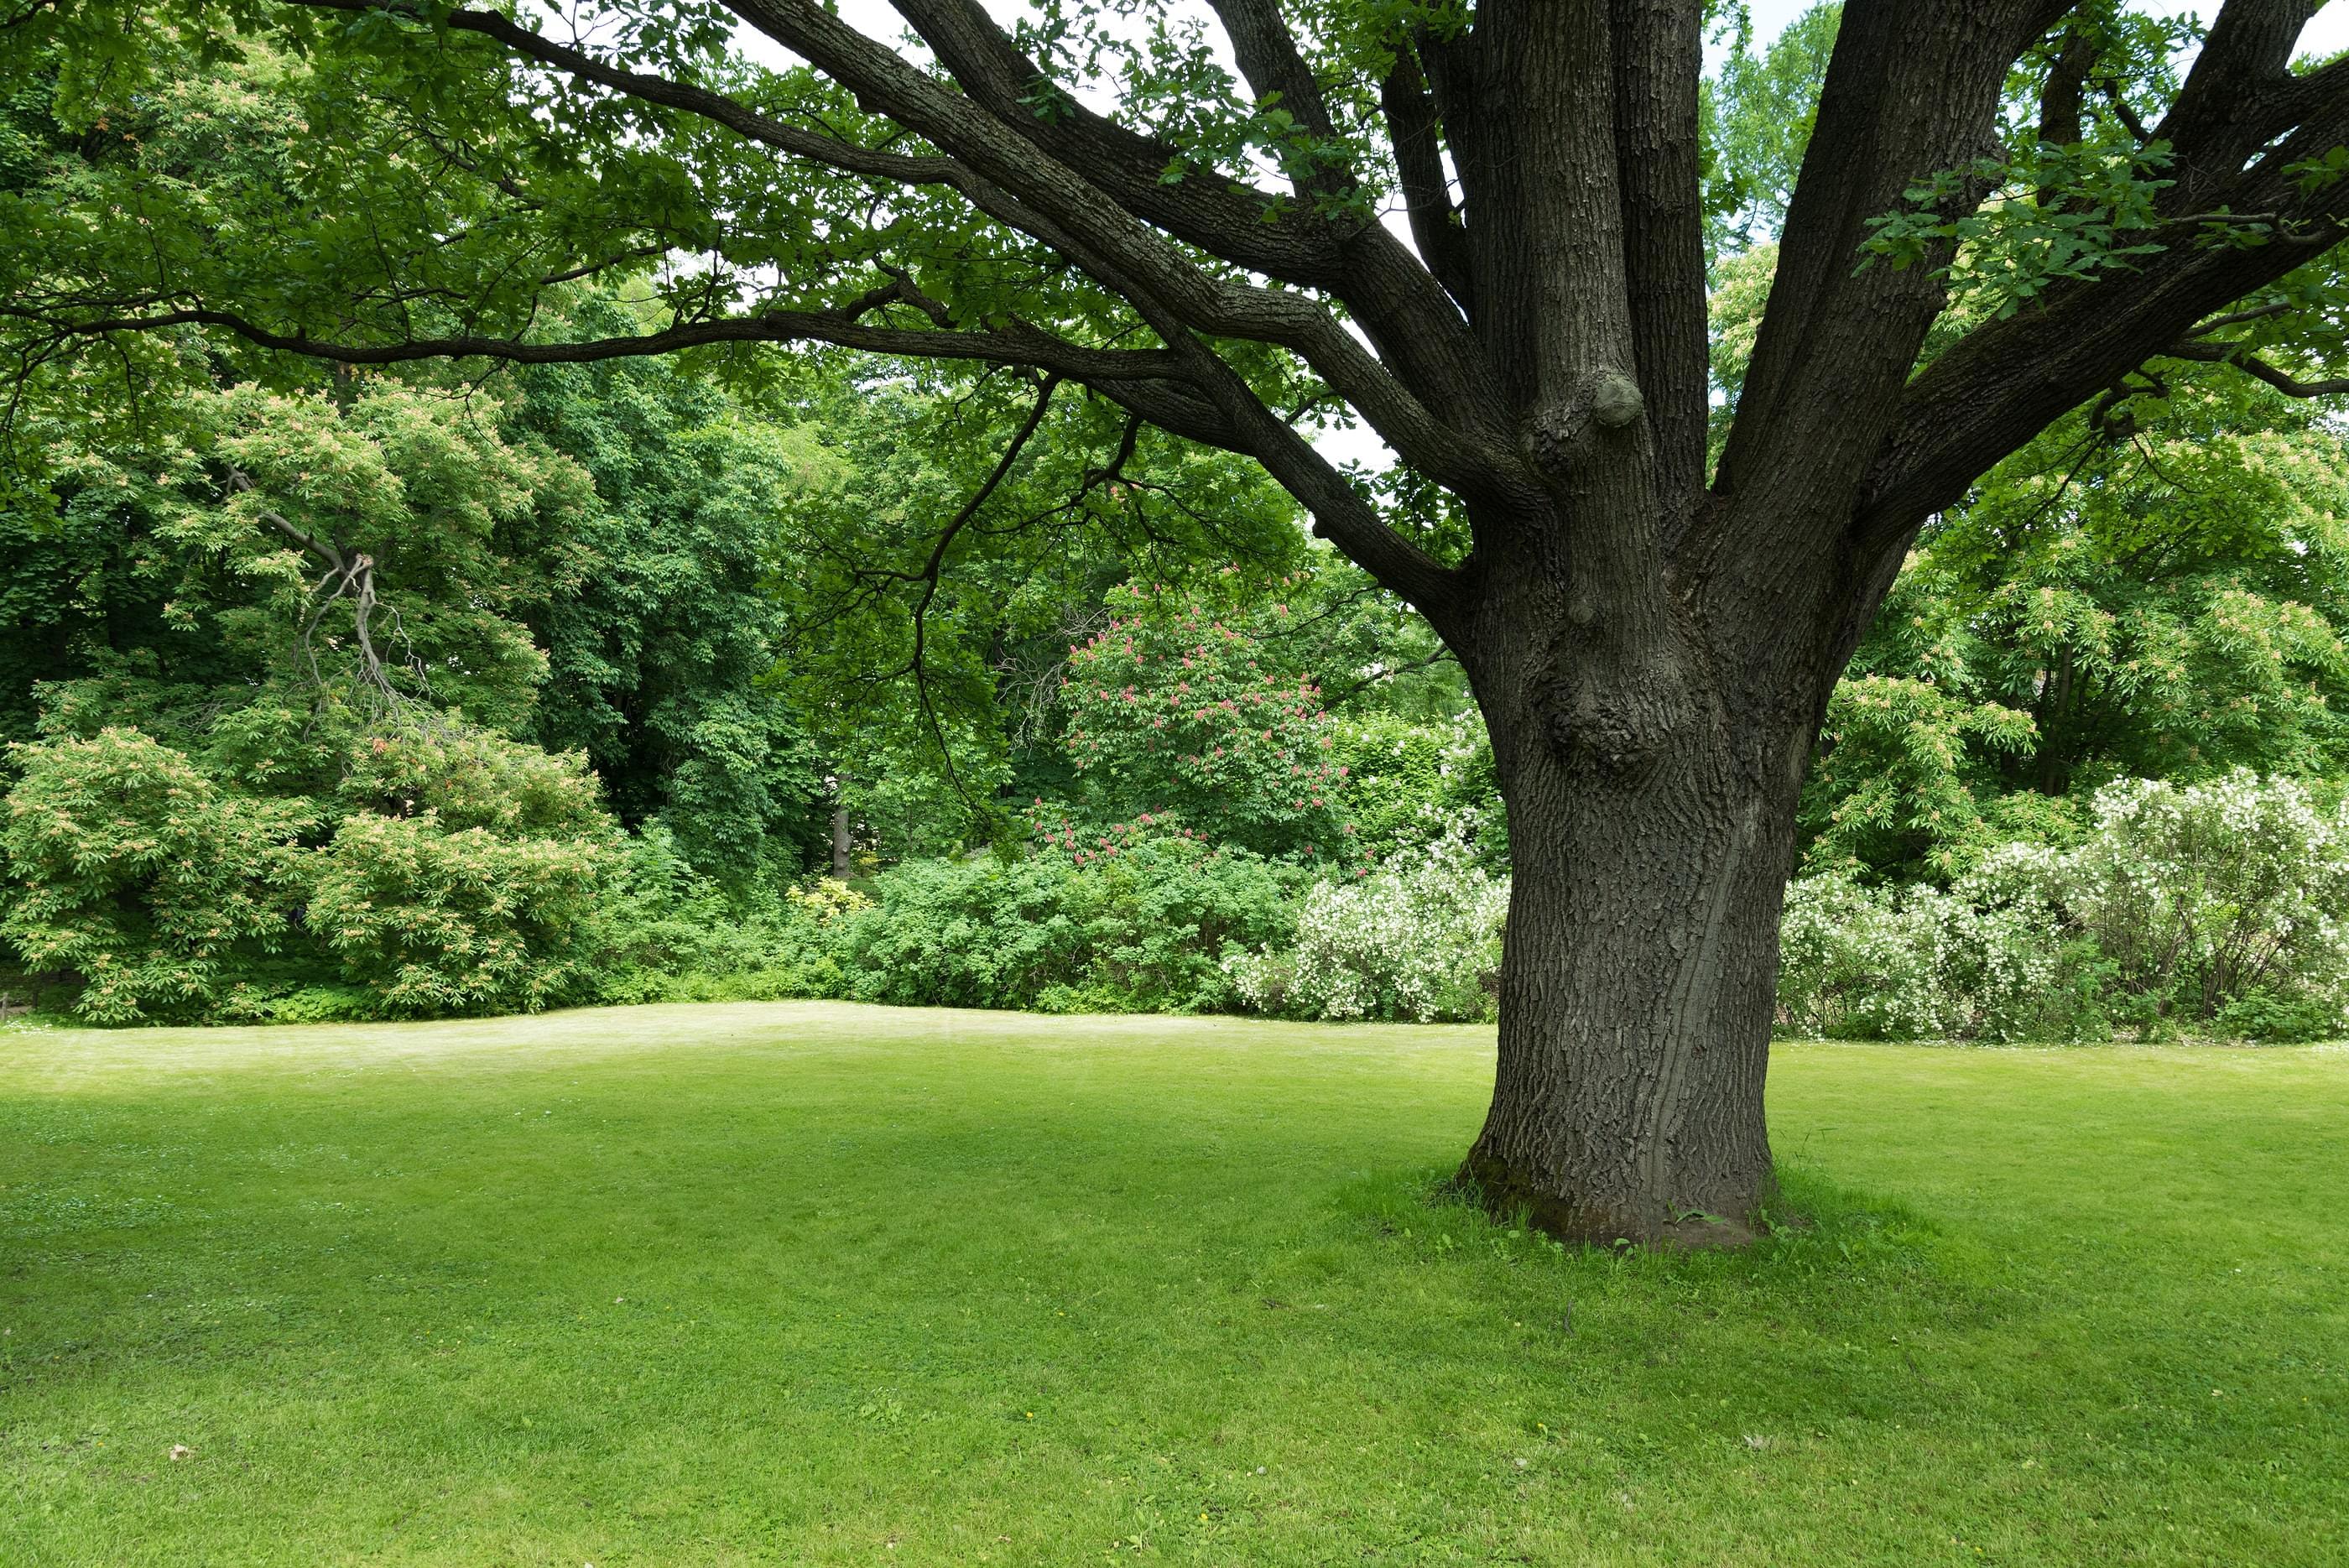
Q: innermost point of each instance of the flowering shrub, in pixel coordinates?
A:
(2211, 907)
(2206, 897)
(1917, 963)
(1418, 943)
(1178, 709)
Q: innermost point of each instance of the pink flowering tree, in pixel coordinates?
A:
(1189, 714)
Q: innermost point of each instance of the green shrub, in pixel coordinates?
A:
(433, 922)
(1136, 929)
(2265, 1016)
(469, 778)
(130, 869)
(268, 1001)
(667, 931)
(1412, 782)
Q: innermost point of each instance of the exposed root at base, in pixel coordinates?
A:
(1590, 1226)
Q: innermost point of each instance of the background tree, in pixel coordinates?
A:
(662, 656)
(2161, 603)
(1976, 244)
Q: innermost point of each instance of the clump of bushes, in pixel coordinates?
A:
(1143, 929)
(1863, 962)
(129, 868)
(2208, 908)
(1417, 944)
(460, 872)
(452, 871)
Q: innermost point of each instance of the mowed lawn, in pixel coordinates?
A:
(814, 1283)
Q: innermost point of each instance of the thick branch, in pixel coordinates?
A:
(1413, 129)
(1003, 177)
(1658, 56)
(994, 162)
(1242, 225)
(1092, 226)
(2063, 98)
(1913, 89)
(1019, 344)
(2222, 113)
(2001, 385)
(1268, 59)
(1395, 300)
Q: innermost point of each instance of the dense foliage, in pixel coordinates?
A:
(1415, 942)
(2202, 908)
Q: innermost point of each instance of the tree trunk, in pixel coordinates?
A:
(840, 843)
(1651, 782)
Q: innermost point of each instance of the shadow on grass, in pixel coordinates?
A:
(1811, 1227)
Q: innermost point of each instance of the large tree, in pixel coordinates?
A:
(1087, 196)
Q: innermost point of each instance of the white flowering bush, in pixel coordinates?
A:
(2217, 903)
(1421, 943)
(2211, 907)
(1917, 963)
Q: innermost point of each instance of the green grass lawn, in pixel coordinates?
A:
(815, 1283)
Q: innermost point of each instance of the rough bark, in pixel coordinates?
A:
(1651, 790)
